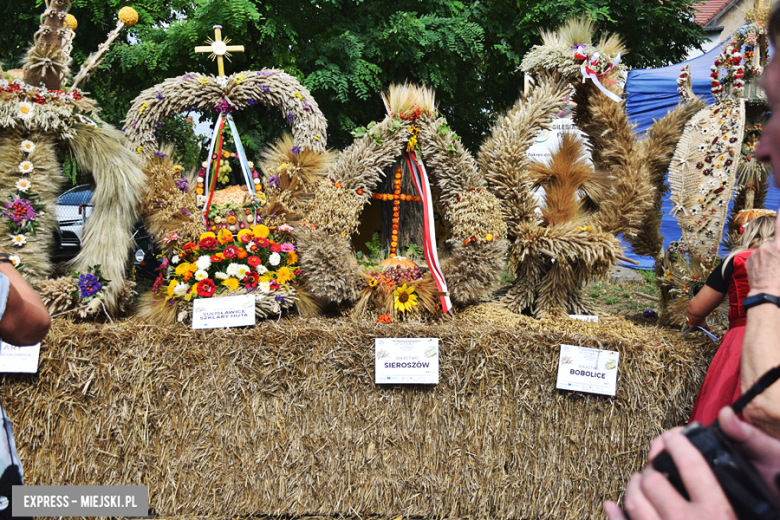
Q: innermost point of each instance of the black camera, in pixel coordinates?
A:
(748, 494)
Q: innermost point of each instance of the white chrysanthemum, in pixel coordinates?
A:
(27, 146)
(26, 110)
(201, 275)
(15, 260)
(204, 262)
(219, 275)
(233, 270)
(181, 289)
(261, 269)
(19, 240)
(243, 271)
(274, 259)
(264, 286)
(26, 167)
(23, 184)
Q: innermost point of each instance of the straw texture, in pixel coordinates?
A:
(285, 419)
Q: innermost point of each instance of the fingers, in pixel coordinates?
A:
(696, 475)
(638, 506)
(752, 442)
(613, 511)
(657, 444)
(665, 500)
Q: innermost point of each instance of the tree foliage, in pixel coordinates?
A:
(347, 51)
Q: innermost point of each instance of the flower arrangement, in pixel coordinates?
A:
(223, 263)
(89, 285)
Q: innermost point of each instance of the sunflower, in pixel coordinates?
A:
(405, 298)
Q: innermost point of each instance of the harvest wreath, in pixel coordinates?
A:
(476, 248)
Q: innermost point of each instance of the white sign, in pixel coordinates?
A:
(406, 361)
(584, 317)
(15, 360)
(218, 313)
(588, 370)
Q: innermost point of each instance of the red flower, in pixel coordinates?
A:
(274, 285)
(216, 258)
(251, 279)
(276, 248)
(206, 288)
(208, 244)
(158, 283)
(189, 247)
(253, 261)
(230, 252)
(262, 242)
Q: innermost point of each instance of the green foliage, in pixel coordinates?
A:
(188, 147)
(414, 252)
(375, 247)
(70, 169)
(347, 51)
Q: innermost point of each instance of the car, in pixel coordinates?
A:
(72, 209)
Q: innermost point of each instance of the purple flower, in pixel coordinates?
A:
(273, 181)
(649, 313)
(264, 88)
(306, 106)
(224, 107)
(185, 212)
(290, 118)
(279, 298)
(183, 185)
(251, 102)
(187, 76)
(287, 247)
(159, 95)
(89, 285)
(20, 210)
(264, 73)
(295, 150)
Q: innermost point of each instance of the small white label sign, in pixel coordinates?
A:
(406, 361)
(15, 360)
(219, 313)
(588, 370)
(584, 317)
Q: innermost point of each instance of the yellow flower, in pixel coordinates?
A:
(292, 258)
(204, 81)
(297, 94)
(224, 236)
(372, 282)
(317, 137)
(207, 234)
(264, 279)
(240, 79)
(405, 299)
(128, 16)
(171, 287)
(283, 275)
(143, 107)
(182, 268)
(70, 21)
(231, 283)
(261, 231)
(585, 228)
(243, 233)
(139, 150)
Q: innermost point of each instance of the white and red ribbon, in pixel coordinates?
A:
(420, 179)
(589, 73)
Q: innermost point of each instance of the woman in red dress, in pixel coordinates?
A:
(722, 383)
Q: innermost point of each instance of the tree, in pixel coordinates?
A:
(347, 51)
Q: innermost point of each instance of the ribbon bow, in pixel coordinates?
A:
(588, 62)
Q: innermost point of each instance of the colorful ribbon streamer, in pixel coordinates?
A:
(420, 179)
(589, 73)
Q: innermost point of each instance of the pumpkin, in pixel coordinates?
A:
(397, 260)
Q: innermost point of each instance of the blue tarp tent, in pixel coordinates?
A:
(651, 94)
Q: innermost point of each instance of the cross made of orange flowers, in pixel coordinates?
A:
(396, 197)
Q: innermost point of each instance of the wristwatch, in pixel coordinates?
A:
(758, 299)
(5, 258)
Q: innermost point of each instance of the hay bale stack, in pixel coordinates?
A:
(284, 419)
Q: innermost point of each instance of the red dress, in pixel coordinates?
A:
(722, 384)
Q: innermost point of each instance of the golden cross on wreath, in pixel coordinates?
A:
(219, 48)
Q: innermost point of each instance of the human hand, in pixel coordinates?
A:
(650, 496)
(763, 266)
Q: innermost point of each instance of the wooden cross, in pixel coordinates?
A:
(396, 197)
(219, 48)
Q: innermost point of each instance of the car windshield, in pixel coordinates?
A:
(76, 197)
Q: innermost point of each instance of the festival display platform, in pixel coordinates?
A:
(286, 419)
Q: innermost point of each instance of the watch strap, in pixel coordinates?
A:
(759, 299)
(5, 257)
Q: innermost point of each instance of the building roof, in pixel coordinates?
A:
(708, 9)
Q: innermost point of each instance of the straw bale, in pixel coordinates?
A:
(285, 419)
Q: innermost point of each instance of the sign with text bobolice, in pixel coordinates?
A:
(406, 361)
(19, 360)
(219, 313)
(590, 370)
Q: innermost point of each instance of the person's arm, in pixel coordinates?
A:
(703, 304)
(761, 345)
(26, 320)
